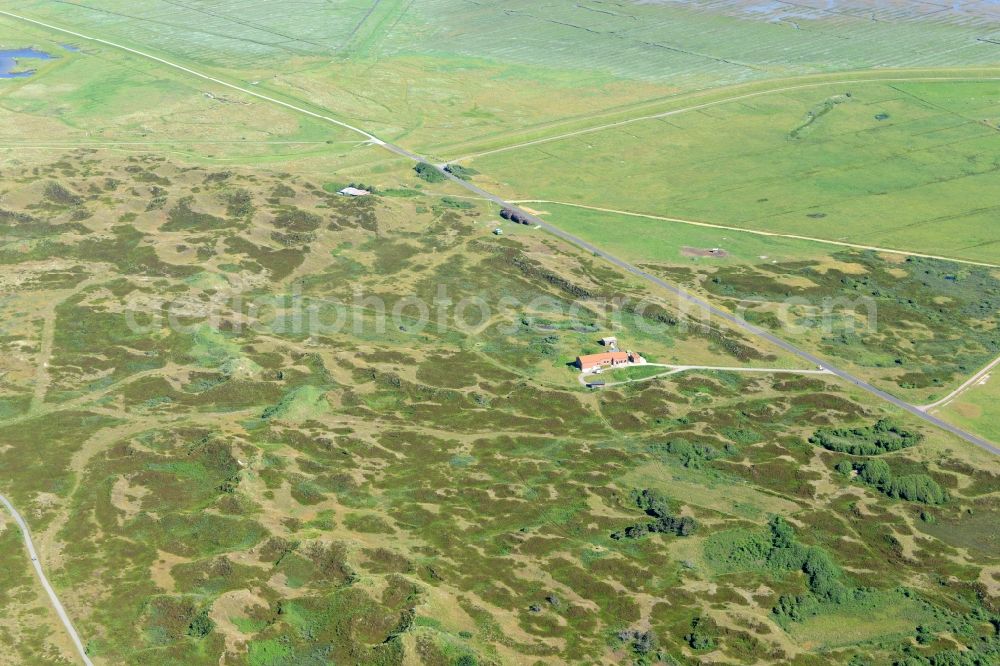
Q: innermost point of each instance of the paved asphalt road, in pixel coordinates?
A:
(716, 312)
(60, 611)
(570, 238)
(652, 279)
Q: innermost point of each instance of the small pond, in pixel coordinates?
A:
(11, 66)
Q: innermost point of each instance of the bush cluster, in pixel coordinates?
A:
(692, 454)
(824, 578)
(459, 171)
(514, 216)
(428, 172)
(910, 487)
(657, 507)
(883, 437)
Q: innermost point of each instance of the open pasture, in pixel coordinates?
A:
(906, 165)
(93, 95)
(433, 73)
(977, 408)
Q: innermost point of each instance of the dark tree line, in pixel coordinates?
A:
(514, 216)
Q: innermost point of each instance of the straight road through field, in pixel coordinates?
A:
(758, 232)
(60, 611)
(680, 294)
(739, 322)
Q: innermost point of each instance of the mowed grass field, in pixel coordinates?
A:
(906, 165)
(643, 240)
(978, 408)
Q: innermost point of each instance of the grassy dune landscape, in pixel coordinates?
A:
(253, 422)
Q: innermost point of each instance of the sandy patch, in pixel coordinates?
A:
(228, 606)
(160, 574)
(842, 266)
(967, 410)
(127, 498)
(714, 252)
(893, 257)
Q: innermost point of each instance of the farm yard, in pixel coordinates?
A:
(239, 439)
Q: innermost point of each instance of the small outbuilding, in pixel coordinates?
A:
(609, 341)
(353, 192)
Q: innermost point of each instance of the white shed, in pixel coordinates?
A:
(353, 192)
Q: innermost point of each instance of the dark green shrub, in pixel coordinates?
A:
(429, 173)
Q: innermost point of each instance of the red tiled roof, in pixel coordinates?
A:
(591, 360)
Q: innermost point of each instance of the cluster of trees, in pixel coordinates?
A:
(363, 186)
(657, 507)
(428, 172)
(824, 578)
(884, 437)
(641, 642)
(910, 487)
(459, 171)
(692, 454)
(700, 638)
(514, 216)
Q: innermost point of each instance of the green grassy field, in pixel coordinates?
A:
(883, 166)
(643, 240)
(631, 373)
(978, 408)
(494, 68)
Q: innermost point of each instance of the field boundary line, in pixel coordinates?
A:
(718, 102)
(758, 232)
(60, 611)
